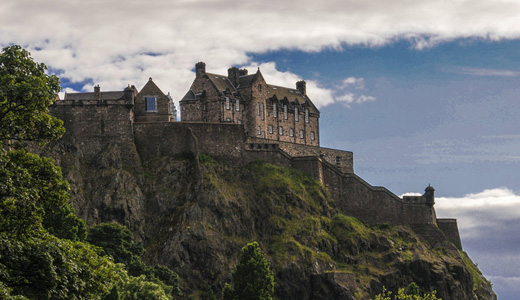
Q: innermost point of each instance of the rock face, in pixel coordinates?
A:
(194, 213)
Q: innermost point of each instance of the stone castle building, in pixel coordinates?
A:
(266, 111)
(238, 119)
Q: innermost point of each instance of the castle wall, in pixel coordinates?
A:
(342, 160)
(93, 125)
(451, 230)
(96, 125)
(221, 140)
(373, 205)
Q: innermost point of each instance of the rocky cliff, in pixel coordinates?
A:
(194, 213)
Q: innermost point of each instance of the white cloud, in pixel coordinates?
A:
(320, 95)
(483, 72)
(483, 212)
(109, 42)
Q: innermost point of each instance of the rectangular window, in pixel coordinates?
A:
(306, 115)
(285, 112)
(313, 137)
(301, 134)
(259, 130)
(270, 129)
(275, 111)
(151, 103)
(296, 116)
(258, 113)
(237, 105)
(280, 130)
(239, 121)
(228, 106)
(291, 132)
(263, 112)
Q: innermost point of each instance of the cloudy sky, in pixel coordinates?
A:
(423, 92)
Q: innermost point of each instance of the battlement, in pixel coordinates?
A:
(80, 102)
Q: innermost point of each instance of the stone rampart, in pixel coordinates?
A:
(94, 125)
(450, 228)
(342, 160)
(373, 205)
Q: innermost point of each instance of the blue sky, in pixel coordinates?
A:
(423, 92)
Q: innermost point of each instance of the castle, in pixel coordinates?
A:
(240, 118)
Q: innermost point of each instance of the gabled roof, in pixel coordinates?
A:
(190, 95)
(221, 82)
(150, 86)
(292, 95)
(112, 95)
(245, 81)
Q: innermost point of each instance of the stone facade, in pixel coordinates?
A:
(266, 111)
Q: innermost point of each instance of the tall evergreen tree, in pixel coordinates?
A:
(253, 278)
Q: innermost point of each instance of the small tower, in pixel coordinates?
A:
(429, 194)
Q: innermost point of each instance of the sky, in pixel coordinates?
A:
(423, 92)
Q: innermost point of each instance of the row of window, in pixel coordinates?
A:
(228, 104)
(285, 112)
(270, 128)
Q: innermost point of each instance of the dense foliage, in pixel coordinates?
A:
(117, 241)
(411, 293)
(26, 92)
(253, 278)
(43, 253)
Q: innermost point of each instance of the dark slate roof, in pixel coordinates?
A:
(190, 95)
(221, 82)
(91, 96)
(245, 81)
(292, 95)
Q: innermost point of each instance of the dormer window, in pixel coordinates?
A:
(228, 105)
(306, 115)
(237, 105)
(151, 103)
(259, 87)
(285, 112)
(296, 112)
(275, 111)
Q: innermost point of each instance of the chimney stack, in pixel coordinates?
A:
(200, 69)
(97, 92)
(233, 75)
(302, 87)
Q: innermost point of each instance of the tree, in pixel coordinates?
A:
(116, 240)
(26, 92)
(252, 278)
(412, 293)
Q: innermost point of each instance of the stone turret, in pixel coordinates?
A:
(429, 194)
